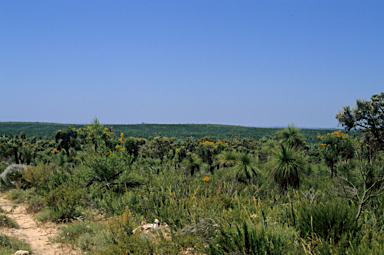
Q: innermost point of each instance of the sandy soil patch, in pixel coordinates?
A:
(36, 234)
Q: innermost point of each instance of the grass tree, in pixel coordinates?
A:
(245, 169)
(191, 163)
(227, 158)
(286, 166)
(291, 137)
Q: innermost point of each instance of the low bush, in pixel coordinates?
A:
(44, 216)
(246, 240)
(37, 176)
(328, 220)
(7, 222)
(9, 245)
(63, 201)
(36, 206)
(11, 177)
(21, 196)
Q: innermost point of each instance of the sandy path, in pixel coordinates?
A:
(37, 235)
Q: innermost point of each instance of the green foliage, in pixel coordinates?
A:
(286, 167)
(192, 164)
(180, 131)
(124, 240)
(9, 245)
(63, 201)
(366, 116)
(246, 169)
(228, 158)
(291, 137)
(106, 166)
(105, 173)
(336, 146)
(11, 177)
(37, 176)
(328, 220)
(246, 240)
(66, 139)
(22, 196)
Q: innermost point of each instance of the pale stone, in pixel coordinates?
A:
(22, 252)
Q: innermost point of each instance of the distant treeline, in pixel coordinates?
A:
(180, 131)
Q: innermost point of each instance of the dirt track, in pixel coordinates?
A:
(37, 235)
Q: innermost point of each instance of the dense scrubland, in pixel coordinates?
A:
(235, 194)
(178, 131)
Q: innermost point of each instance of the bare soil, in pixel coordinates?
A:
(35, 234)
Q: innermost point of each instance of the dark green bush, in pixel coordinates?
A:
(246, 240)
(328, 220)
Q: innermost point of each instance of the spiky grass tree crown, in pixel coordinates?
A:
(286, 166)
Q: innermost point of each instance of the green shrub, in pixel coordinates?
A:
(35, 206)
(11, 177)
(329, 220)
(7, 222)
(21, 196)
(246, 240)
(9, 245)
(72, 232)
(44, 216)
(63, 201)
(95, 243)
(124, 240)
(37, 176)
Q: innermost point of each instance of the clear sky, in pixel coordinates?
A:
(238, 62)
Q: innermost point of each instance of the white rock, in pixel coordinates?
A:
(22, 252)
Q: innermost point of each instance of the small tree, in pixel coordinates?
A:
(66, 139)
(366, 116)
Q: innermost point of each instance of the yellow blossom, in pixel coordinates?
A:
(122, 149)
(206, 178)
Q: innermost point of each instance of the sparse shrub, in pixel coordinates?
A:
(124, 240)
(7, 222)
(11, 177)
(9, 245)
(205, 228)
(37, 176)
(95, 243)
(35, 206)
(20, 195)
(63, 201)
(44, 216)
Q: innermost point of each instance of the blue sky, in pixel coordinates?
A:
(250, 63)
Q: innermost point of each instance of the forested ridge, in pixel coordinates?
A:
(179, 131)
